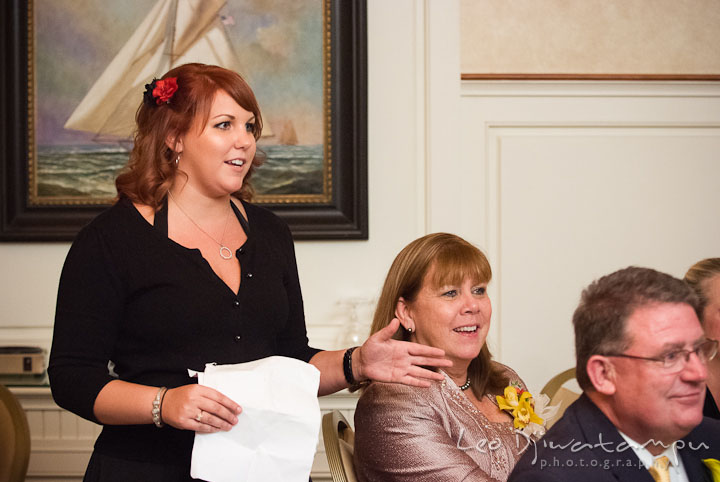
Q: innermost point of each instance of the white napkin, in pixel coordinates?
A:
(277, 432)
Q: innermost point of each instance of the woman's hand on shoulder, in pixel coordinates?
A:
(383, 359)
(199, 408)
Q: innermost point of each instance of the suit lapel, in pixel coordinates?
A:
(694, 467)
(625, 464)
(593, 422)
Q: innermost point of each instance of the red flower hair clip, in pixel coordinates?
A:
(160, 91)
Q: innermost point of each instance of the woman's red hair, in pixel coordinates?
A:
(151, 169)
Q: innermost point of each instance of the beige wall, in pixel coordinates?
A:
(522, 169)
(590, 36)
(422, 178)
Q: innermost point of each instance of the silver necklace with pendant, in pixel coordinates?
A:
(225, 252)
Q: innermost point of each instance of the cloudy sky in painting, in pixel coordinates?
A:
(278, 44)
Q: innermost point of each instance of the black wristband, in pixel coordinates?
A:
(161, 405)
(347, 366)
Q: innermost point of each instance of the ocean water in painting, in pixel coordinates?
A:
(79, 170)
(90, 170)
(290, 170)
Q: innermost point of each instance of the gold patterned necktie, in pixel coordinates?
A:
(660, 469)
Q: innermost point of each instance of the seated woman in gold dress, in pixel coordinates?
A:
(453, 430)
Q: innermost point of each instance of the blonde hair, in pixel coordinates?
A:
(697, 277)
(452, 260)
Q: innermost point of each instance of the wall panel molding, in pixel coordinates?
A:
(621, 77)
(577, 88)
(519, 138)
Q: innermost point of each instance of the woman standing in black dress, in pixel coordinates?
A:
(182, 271)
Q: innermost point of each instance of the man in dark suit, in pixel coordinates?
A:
(642, 363)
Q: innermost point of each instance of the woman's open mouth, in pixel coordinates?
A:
(466, 329)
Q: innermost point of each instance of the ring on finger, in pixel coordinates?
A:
(199, 416)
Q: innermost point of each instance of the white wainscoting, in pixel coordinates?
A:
(62, 442)
(563, 182)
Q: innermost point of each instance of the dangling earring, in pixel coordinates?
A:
(177, 159)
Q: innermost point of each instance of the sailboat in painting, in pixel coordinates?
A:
(288, 136)
(174, 32)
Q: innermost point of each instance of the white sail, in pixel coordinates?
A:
(174, 32)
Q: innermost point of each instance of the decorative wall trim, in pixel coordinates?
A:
(569, 88)
(594, 77)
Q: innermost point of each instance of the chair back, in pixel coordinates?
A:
(339, 441)
(15, 437)
(560, 395)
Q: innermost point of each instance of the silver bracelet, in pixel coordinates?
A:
(157, 407)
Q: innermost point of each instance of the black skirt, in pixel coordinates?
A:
(103, 468)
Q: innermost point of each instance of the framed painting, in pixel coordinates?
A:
(74, 74)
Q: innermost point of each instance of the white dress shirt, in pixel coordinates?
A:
(676, 468)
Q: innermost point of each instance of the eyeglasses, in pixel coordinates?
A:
(705, 352)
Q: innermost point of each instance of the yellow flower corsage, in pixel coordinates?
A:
(713, 466)
(520, 403)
